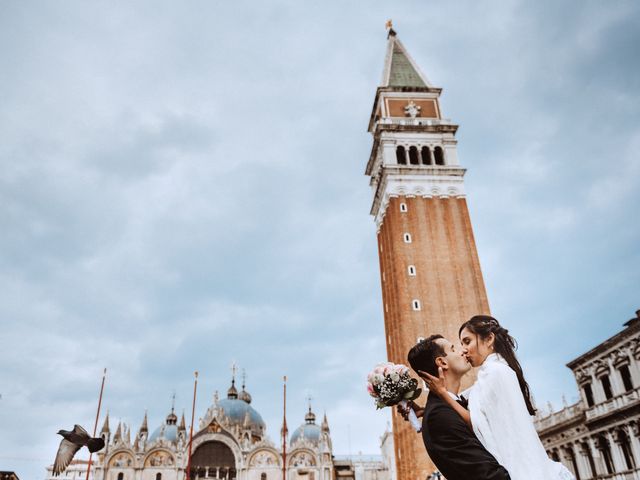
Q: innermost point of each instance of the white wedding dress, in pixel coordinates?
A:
(503, 425)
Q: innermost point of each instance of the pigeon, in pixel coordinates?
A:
(72, 441)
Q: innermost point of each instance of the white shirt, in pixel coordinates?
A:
(503, 425)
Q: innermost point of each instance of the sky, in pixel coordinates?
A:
(182, 187)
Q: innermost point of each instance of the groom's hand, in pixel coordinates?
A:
(438, 384)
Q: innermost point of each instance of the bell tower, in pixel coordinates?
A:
(429, 267)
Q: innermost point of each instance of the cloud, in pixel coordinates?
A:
(183, 187)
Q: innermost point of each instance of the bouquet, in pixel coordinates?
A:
(390, 385)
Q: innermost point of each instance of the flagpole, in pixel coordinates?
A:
(284, 430)
(95, 425)
(193, 412)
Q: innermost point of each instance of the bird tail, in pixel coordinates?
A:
(95, 444)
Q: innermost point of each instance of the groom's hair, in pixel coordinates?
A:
(422, 356)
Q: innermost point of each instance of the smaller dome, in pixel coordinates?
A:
(309, 432)
(244, 396)
(168, 432)
(172, 418)
(232, 392)
(310, 417)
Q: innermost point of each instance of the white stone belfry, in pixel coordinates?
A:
(414, 148)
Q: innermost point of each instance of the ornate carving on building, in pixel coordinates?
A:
(599, 436)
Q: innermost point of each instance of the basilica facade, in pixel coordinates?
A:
(230, 443)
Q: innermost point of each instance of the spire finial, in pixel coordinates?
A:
(173, 401)
(310, 417)
(389, 27)
(234, 369)
(232, 392)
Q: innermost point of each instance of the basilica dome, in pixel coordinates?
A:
(308, 431)
(169, 429)
(237, 410)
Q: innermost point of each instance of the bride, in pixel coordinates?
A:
(500, 406)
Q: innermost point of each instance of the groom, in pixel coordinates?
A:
(450, 443)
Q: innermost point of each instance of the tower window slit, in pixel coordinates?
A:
(413, 156)
(407, 238)
(401, 155)
(426, 156)
(438, 153)
(412, 270)
(416, 304)
(403, 207)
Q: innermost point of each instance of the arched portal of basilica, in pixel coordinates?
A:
(213, 459)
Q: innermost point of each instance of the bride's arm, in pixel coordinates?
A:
(438, 386)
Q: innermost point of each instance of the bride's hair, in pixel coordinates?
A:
(505, 345)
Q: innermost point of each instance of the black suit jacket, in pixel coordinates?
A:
(453, 446)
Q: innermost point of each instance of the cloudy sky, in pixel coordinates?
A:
(182, 186)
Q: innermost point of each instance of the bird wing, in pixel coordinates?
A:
(79, 430)
(65, 454)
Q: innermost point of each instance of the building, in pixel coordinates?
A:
(230, 443)
(77, 470)
(599, 436)
(429, 267)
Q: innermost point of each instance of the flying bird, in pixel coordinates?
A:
(72, 441)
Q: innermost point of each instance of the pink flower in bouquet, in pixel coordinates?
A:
(371, 390)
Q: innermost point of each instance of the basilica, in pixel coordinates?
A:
(230, 443)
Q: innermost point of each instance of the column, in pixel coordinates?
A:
(635, 444)
(583, 463)
(598, 461)
(567, 451)
(618, 460)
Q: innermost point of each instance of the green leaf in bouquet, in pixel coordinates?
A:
(415, 394)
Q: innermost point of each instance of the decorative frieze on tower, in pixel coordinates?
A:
(429, 267)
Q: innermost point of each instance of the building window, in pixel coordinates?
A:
(626, 377)
(606, 386)
(412, 270)
(407, 238)
(263, 476)
(438, 153)
(121, 476)
(416, 304)
(158, 476)
(588, 394)
(413, 156)
(403, 207)
(426, 156)
(625, 446)
(401, 155)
